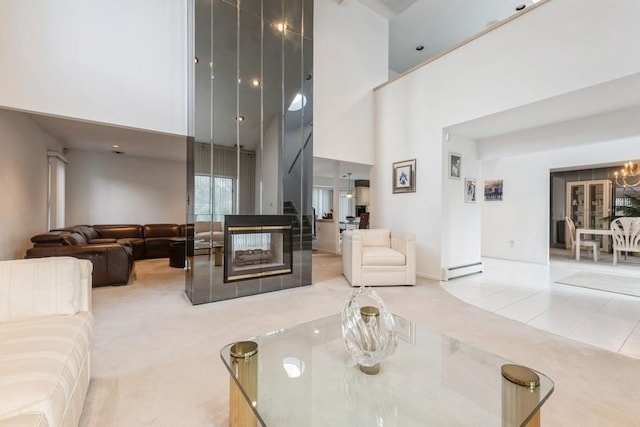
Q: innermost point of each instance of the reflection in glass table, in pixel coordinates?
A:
(303, 376)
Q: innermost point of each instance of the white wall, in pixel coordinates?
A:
(119, 189)
(558, 47)
(350, 56)
(23, 174)
(119, 61)
(461, 220)
(523, 216)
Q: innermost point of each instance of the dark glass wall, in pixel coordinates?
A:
(251, 145)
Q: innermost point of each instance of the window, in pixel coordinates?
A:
(322, 200)
(213, 198)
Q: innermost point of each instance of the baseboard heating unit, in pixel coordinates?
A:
(461, 270)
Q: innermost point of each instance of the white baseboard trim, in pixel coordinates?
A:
(461, 270)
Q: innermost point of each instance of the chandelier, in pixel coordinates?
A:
(349, 193)
(629, 175)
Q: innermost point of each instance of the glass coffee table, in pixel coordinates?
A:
(303, 376)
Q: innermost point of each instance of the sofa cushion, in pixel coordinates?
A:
(39, 287)
(32, 419)
(87, 231)
(52, 238)
(375, 237)
(161, 230)
(73, 239)
(119, 231)
(40, 363)
(381, 256)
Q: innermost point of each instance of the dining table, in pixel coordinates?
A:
(596, 231)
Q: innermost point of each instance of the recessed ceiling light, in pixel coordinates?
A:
(419, 47)
(115, 146)
(240, 118)
(521, 6)
(281, 26)
(255, 82)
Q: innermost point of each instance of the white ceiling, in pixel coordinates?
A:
(615, 95)
(91, 136)
(435, 24)
(323, 168)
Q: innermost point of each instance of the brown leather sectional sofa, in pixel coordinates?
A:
(111, 248)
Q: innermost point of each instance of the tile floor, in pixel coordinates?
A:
(528, 293)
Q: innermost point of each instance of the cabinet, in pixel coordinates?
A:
(588, 204)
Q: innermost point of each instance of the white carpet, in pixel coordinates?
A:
(156, 360)
(604, 282)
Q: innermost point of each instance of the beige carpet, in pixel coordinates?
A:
(156, 357)
(604, 282)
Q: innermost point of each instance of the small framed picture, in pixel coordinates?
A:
(493, 190)
(470, 190)
(404, 176)
(455, 165)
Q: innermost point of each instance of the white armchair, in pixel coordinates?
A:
(625, 233)
(378, 257)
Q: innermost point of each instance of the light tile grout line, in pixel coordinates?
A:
(629, 336)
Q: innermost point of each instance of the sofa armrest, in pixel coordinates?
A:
(352, 256)
(112, 262)
(406, 244)
(32, 288)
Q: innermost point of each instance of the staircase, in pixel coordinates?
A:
(302, 230)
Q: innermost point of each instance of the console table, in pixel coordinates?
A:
(302, 376)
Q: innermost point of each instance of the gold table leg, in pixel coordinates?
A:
(244, 365)
(520, 392)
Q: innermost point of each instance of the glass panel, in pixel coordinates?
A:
(577, 205)
(247, 69)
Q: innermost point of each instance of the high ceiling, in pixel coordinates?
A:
(437, 25)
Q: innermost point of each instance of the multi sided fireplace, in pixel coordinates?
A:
(257, 246)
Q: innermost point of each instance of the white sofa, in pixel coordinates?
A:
(46, 326)
(210, 231)
(378, 257)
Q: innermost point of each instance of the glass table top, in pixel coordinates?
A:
(305, 377)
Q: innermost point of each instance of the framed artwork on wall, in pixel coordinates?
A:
(493, 190)
(455, 165)
(470, 190)
(404, 176)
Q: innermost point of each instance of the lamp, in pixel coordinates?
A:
(349, 193)
(629, 175)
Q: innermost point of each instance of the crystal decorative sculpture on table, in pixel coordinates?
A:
(369, 330)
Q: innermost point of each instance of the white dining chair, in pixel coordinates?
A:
(587, 244)
(625, 233)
